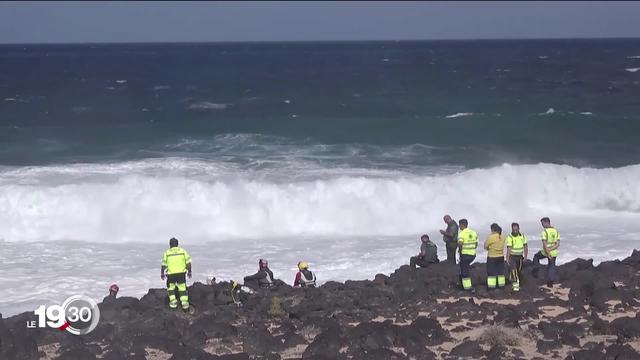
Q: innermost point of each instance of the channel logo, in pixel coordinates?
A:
(78, 315)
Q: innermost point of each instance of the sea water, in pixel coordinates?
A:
(338, 154)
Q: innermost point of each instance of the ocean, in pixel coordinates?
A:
(339, 154)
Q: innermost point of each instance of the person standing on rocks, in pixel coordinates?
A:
(450, 238)
(495, 258)
(262, 279)
(550, 244)
(176, 265)
(467, 243)
(517, 251)
(304, 277)
(428, 253)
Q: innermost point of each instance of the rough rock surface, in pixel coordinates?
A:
(411, 314)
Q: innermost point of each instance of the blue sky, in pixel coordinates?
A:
(53, 22)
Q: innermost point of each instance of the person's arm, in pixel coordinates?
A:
(257, 276)
(450, 233)
(487, 242)
(526, 251)
(296, 282)
(187, 259)
(163, 267)
(423, 250)
(544, 242)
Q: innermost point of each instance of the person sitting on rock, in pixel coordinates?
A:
(428, 253)
(262, 279)
(176, 265)
(304, 277)
(113, 292)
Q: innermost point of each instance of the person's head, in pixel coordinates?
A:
(546, 222)
(515, 228)
(463, 223)
(113, 290)
(263, 264)
(447, 219)
(173, 242)
(496, 228)
(424, 238)
(303, 266)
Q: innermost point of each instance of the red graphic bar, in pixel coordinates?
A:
(64, 327)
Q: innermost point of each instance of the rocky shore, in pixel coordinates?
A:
(412, 314)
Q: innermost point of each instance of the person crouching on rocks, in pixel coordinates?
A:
(176, 265)
(495, 258)
(304, 277)
(428, 253)
(262, 279)
(467, 243)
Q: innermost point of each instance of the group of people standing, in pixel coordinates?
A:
(459, 239)
(463, 241)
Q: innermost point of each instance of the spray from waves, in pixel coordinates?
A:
(137, 207)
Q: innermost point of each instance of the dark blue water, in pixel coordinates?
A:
(563, 101)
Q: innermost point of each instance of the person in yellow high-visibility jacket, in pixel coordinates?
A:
(550, 244)
(176, 263)
(517, 251)
(495, 258)
(467, 244)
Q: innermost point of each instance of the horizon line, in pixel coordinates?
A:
(316, 41)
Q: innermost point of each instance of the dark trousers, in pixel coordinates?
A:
(495, 266)
(452, 247)
(465, 265)
(515, 267)
(551, 265)
(419, 261)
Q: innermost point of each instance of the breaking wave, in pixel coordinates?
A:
(110, 203)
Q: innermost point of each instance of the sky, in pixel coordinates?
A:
(96, 22)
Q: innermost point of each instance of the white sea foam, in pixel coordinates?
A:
(549, 111)
(632, 70)
(121, 81)
(633, 57)
(461, 114)
(96, 205)
(206, 105)
(586, 113)
(161, 87)
(230, 218)
(542, 57)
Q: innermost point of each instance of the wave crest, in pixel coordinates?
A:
(139, 207)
